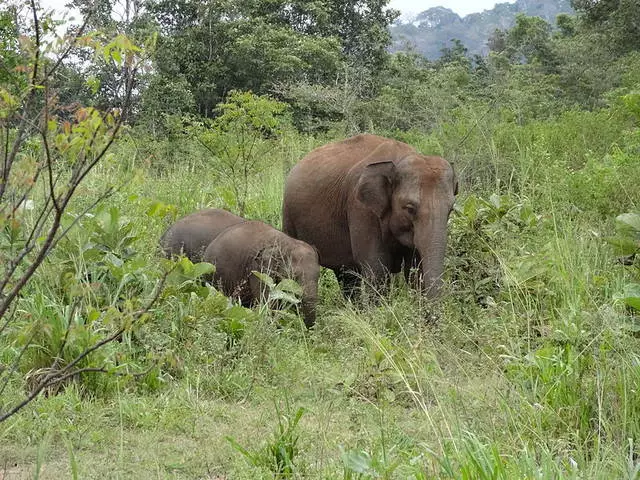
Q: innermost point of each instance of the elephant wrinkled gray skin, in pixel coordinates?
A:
(254, 245)
(370, 204)
(191, 235)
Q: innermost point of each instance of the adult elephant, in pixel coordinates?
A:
(370, 205)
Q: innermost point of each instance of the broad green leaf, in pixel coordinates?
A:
(93, 83)
(628, 223)
(470, 208)
(202, 291)
(113, 260)
(238, 312)
(357, 461)
(93, 315)
(117, 56)
(160, 209)
(289, 285)
(624, 245)
(185, 265)
(633, 302)
(91, 254)
(281, 295)
(202, 268)
(264, 278)
(630, 295)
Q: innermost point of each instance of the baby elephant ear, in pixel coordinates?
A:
(374, 187)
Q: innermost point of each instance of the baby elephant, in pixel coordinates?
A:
(254, 245)
(190, 235)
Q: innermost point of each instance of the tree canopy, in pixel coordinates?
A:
(218, 46)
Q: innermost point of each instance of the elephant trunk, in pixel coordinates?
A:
(307, 273)
(432, 246)
(309, 300)
(309, 311)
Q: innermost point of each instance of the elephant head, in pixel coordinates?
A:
(291, 258)
(413, 197)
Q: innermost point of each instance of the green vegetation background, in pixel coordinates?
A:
(528, 368)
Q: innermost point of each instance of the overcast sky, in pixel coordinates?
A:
(461, 7)
(407, 7)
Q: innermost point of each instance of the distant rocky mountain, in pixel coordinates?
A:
(432, 30)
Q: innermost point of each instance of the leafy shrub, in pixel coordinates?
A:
(239, 138)
(281, 297)
(627, 243)
(194, 310)
(604, 186)
(279, 454)
(93, 286)
(557, 377)
(477, 225)
(101, 260)
(361, 465)
(58, 335)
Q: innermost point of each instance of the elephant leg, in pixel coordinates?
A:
(378, 283)
(257, 291)
(374, 259)
(349, 282)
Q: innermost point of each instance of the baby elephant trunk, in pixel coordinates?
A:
(306, 273)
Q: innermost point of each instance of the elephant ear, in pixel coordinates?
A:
(375, 185)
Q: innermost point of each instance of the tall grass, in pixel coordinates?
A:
(527, 369)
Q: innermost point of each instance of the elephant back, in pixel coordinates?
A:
(191, 234)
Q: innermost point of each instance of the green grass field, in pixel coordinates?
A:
(528, 368)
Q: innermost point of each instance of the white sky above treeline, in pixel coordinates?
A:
(461, 7)
(407, 7)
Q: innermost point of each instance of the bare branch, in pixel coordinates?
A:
(28, 248)
(106, 194)
(36, 28)
(10, 158)
(30, 118)
(80, 371)
(68, 370)
(16, 364)
(72, 45)
(49, 163)
(73, 185)
(6, 301)
(7, 321)
(5, 174)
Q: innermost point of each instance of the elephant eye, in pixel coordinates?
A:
(410, 208)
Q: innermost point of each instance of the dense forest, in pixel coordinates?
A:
(118, 362)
